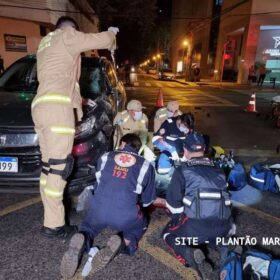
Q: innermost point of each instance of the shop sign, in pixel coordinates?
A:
(15, 43)
(276, 50)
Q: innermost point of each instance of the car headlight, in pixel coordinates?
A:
(85, 128)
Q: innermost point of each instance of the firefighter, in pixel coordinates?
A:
(169, 139)
(133, 120)
(199, 202)
(58, 66)
(125, 184)
(162, 114)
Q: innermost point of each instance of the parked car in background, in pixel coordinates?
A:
(20, 164)
(151, 70)
(166, 74)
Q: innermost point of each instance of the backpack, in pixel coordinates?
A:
(234, 171)
(265, 177)
(260, 266)
(237, 178)
(232, 267)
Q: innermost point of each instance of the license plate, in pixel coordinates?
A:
(8, 164)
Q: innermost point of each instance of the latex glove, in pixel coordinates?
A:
(115, 30)
(149, 154)
(175, 156)
(89, 102)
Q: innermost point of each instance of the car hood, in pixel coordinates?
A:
(15, 109)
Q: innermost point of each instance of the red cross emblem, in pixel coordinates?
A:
(125, 158)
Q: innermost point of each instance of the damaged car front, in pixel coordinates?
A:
(20, 164)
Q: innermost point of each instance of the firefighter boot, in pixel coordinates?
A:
(63, 232)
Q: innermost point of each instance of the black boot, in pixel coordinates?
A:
(59, 232)
(202, 266)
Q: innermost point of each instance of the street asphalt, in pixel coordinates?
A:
(219, 112)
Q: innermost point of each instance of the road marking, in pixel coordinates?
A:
(257, 212)
(162, 256)
(171, 85)
(168, 260)
(220, 100)
(20, 205)
(193, 84)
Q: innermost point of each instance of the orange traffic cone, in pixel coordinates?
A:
(251, 107)
(159, 102)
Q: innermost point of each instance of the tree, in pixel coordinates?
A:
(136, 20)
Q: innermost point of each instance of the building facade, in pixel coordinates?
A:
(239, 34)
(190, 36)
(24, 23)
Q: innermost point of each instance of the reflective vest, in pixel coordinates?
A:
(206, 195)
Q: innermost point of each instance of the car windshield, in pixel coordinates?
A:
(21, 76)
(91, 78)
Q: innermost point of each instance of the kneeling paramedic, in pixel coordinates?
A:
(58, 66)
(125, 184)
(169, 138)
(199, 202)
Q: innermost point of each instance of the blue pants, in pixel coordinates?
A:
(130, 229)
(164, 161)
(180, 226)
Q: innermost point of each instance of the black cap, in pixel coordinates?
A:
(194, 142)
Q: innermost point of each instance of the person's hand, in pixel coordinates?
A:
(175, 156)
(149, 154)
(89, 102)
(115, 30)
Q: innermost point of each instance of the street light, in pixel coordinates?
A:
(158, 61)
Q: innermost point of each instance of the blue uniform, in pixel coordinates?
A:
(169, 140)
(125, 182)
(198, 199)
